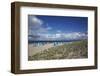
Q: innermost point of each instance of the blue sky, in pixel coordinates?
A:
(57, 27)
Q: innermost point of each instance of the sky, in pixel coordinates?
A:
(42, 27)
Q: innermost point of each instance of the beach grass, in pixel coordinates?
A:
(73, 50)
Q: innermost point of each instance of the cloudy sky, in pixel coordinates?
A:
(57, 27)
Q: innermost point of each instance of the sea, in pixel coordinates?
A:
(54, 42)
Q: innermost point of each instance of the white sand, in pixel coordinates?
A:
(35, 49)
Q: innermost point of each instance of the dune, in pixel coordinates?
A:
(74, 50)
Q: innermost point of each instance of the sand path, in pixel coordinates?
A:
(33, 50)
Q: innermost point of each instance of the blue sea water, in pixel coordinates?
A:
(55, 43)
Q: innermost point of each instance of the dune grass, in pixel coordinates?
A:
(74, 50)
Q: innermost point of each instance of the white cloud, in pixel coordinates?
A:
(36, 21)
(36, 26)
(75, 35)
(37, 29)
(63, 36)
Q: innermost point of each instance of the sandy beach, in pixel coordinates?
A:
(35, 49)
(73, 50)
